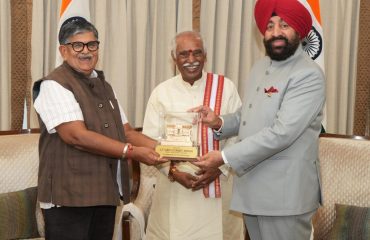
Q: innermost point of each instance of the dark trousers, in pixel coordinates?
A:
(79, 223)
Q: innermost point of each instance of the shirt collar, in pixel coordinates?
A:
(196, 83)
(94, 74)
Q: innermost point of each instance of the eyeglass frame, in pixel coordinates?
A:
(83, 44)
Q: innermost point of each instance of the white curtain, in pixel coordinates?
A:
(136, 54)
(135, 40)
(234, 44)
(232, 40)
(340, 20)
(135, 48)
(5, 46)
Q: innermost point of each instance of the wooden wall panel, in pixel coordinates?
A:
(362, 102)
(21, 27)
(196, 15)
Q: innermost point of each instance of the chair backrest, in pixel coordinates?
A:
(345, 177)
(19, 160)
(147, 184)
(144, 180)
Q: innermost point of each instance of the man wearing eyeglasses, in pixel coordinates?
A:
(178, 211)
(84, 134)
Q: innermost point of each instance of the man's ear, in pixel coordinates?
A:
(63, 50)
(299, 35)
(173, 56)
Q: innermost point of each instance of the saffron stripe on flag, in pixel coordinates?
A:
(64, 6)
(315, 6)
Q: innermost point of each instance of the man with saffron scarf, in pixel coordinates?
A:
(179, 212)
(276, 156)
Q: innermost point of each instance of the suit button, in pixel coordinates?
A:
(244, 123)
(100, 105)
(106, 125)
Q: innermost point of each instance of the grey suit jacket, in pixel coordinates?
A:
(276, 157)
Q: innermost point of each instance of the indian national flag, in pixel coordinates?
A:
(313, 44)
(71, 8)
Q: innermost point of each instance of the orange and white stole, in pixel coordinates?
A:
(212, 99)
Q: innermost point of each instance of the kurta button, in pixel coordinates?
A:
(106, 125)
(267, 72)
(244, 123)
(258, 88)
(250, 105)
(100, 105)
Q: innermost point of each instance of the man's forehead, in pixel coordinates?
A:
(190, 50)
(189, 45)
(276, 18)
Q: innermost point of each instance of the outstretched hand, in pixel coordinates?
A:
(147, 156)
(205, 178)
(209, 161)
(207, 116)
(209, 168)
(184, 178)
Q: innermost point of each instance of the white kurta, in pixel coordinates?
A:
(178, 213)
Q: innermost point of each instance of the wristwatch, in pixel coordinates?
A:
(173, 169)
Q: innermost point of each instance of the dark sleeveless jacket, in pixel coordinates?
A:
(72, 177)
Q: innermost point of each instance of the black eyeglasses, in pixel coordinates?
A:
(79, 46)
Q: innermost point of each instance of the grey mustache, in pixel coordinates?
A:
(85, 57)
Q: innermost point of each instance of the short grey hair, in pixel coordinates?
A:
(194, 33)
(73, 26)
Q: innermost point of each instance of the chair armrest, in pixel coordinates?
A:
(134, 167)
(133, 223)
